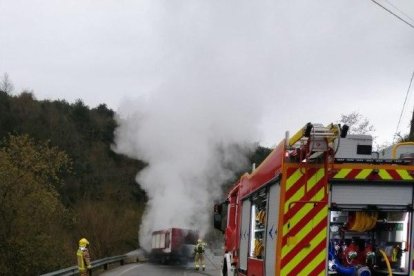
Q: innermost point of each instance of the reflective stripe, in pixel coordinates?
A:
(304, 223)
(363, 174)
(384, 174)
(81, 262)
(342, 173)
(293, 179)
(404, 174)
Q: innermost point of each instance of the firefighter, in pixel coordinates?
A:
(84, 260)
(199, 255)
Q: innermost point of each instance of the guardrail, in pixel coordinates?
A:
(73, 270)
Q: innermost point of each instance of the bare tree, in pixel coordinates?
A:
(357, 123)
(5, 84)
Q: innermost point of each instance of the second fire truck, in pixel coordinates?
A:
(322, 203)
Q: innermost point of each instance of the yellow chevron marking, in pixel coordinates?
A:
(293, 179)
(307, 227)
(305, 208)
(404, 174)
(297, 196)
(304, 252)
(319, 195)
(384, 174)
(342, 173)
(293, 222)
(315, 178)
(300, 192)
(314, 263)
(363, 174)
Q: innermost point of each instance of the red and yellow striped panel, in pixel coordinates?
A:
(303, 245)
(372, 174)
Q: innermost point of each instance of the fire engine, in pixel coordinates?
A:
(173, 245)
(322, 203)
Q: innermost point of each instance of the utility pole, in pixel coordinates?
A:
(411, 135)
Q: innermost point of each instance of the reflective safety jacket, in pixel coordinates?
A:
(84, 260)
(199, 248)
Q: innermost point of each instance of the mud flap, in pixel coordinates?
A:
(228, 268)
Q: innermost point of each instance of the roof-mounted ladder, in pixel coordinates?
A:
(318, 135)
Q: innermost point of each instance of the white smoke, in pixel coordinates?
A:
(204, 95)
(191, 149)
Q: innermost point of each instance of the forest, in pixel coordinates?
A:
(60, 181)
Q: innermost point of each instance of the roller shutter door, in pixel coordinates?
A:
(245, 233)
(390, 194)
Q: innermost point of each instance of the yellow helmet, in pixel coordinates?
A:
(83, 242)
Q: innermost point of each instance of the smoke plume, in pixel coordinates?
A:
(198, 110)
(192, 147)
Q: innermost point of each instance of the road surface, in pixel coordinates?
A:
(148, 269)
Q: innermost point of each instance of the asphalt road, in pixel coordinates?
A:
(213, 265)
(147, 269)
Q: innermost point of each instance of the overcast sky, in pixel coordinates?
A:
(301, 60)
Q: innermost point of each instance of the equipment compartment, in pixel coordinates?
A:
(369, 242)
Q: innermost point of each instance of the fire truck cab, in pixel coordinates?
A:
(322, 203)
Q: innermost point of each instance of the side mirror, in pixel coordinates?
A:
(217, 222)
(218, 208)
(218, 218)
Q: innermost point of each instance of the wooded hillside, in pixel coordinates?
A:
(60, 181)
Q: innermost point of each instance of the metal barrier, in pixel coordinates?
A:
(73, 270)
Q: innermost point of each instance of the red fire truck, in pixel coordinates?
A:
(173, 245)
(322, 203)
